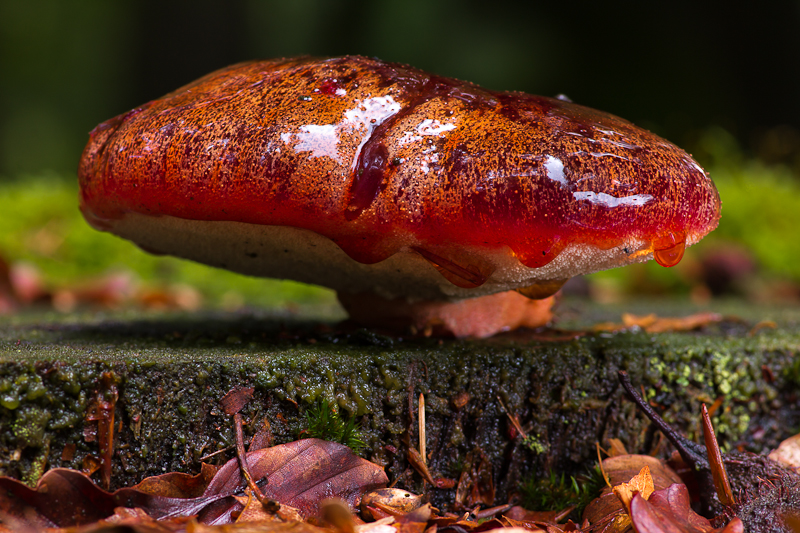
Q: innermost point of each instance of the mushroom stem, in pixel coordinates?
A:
(475, 317)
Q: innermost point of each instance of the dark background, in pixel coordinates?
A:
(676, 68)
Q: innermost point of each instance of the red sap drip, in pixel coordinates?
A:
(367, 180)
(668, 250)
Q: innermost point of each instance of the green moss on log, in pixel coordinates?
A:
(171, 371)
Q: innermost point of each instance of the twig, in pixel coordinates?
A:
(513, 419)
(600, 464)
(422, 429)
(270, 505)
(718, 473)
(691, 452)
(492, 511)
(212, 454)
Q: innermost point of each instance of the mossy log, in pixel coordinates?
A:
(169, 371)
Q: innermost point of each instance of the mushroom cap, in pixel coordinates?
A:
(373, 177)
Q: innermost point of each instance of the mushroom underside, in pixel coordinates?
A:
(291, 253)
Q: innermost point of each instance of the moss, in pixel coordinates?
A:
(29, 426)
(534, 444)
(558, 492)
(326, 422)
(173, 368)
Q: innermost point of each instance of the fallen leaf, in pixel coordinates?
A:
(621, 469)
(389, 500)
(66, 498)
(669, 510)
(641, 483)
(235, 399)
(528, 525)
(134, 521)
(515, 530)
(254, 511)
(381, 526)
(520, 514)
(616, 447)
(418, 463)
(302, 474)
(262, 438)
(177, 484)
(275, 526)
(654, 324)
(788, 452)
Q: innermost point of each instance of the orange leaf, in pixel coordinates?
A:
(641, 483)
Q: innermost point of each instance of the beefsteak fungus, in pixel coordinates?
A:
(424, 201)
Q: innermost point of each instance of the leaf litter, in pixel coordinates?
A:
(309, 483)
(315, 486)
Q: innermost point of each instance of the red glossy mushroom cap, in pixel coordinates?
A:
(372, 177)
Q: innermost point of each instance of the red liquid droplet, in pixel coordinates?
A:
(668, 250)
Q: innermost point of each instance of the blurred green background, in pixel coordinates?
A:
(718, 79)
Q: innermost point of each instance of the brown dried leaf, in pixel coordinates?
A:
(518, 530)
(390, 500)
(520, 514)
(669, 510)
(262, 438)
(302, 474)
(132, 520)
(83, 502)
(641, 483)
(178, 485)
(622, 468)
(529, 525)
(235, 399)
(418, 463)
(615, 448)
(254, 511)
(381, 526)
(654, 324)
(259, 527)
(788, 452)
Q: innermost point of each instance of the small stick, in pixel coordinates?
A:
(718, 473)
(212, 454)
(422, 429)
(513, 419)
(600, 464)
(492, 511)
(271, 506)
(691, 452)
